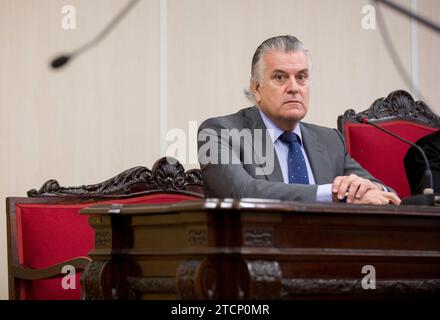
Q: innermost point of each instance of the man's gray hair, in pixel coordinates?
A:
(279, 43)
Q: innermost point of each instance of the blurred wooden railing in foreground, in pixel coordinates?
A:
(256, 249)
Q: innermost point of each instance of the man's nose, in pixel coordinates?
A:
(292, 85)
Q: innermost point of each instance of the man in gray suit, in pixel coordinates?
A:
(266, 151)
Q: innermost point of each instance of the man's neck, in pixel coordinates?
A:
(285, 125)
(282, 124)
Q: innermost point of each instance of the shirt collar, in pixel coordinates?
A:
(274, 131)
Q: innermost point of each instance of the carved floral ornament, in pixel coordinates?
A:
(167, 174)
(398, 104)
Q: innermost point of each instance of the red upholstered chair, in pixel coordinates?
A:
(46, 231)
(381, 154)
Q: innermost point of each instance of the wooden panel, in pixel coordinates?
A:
(273, 250)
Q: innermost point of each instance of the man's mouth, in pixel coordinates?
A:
(293, 102)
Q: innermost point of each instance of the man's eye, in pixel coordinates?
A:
(279, 77)
(302, 77)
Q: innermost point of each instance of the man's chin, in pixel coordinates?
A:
(293, 116)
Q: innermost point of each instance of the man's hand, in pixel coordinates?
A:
(352, 187)
(378, 197)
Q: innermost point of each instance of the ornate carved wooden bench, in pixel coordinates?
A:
(46, 232)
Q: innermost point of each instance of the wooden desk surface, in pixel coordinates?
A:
(257, 249)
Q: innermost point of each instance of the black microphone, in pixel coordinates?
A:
(63, 59)
(428, 192)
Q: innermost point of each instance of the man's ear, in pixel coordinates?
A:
(256, 90)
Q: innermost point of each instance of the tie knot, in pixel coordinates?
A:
(289, 137)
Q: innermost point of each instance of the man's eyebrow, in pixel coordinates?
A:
(279, 70)
(305, 70)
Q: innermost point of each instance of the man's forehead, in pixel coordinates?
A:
(295, 60)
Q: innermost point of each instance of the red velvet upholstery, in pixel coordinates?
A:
(381, 154)
(52, 233)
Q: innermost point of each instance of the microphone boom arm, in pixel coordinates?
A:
(63, 59)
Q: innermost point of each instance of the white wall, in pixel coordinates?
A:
(101, 114)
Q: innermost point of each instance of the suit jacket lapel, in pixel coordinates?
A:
(317, 155)
(257, 123)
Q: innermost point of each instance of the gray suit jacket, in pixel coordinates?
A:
(249, 176)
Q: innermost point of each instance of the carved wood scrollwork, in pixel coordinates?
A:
(167, 174)
(196, 279)
(258, 237)
(103, 239)
(187, 279)
(150, 285)
(197, 237)
(91, 281)
(353, 287)
(264, 279)
(398, 104)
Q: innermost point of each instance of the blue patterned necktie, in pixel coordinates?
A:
(295, 160)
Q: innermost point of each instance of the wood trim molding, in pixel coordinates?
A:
(80, 263)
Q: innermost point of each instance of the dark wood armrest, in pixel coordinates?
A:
(54, 271)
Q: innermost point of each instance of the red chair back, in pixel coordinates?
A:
(379, 153)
